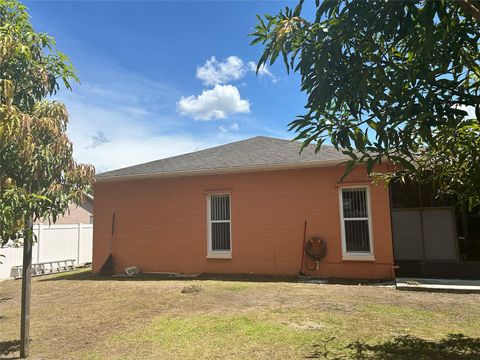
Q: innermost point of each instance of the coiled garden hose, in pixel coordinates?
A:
(316, 249)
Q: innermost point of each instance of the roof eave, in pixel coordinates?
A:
(234, 170)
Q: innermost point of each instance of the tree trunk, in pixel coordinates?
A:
(470, 8)
(26, 290)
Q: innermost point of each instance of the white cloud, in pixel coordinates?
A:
(233, 68)
(216, 103)
(232, 127)
(263, 71)
(214, 72)
(223, 99)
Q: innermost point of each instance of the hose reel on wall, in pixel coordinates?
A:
(316, 249)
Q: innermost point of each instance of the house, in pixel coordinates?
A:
(76, 214)
(241, 208)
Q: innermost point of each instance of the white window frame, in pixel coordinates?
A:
(355, 255)
(218, 254)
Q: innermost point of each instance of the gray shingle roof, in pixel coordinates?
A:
(254, 153)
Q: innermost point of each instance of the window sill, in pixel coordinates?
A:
(358, 257)
(226, 255)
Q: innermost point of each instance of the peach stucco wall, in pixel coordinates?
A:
(161, 224)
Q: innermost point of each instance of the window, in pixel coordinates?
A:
(219, 226)
(355, 223)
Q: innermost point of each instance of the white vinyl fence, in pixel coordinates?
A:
(54, 242)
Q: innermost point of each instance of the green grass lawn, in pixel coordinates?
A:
(82, 316)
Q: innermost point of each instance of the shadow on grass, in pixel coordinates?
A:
(9, 347)
(88, 275)
(454, 346)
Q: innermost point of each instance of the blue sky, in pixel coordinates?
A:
(163, 78)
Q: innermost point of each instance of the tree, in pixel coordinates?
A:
(38, 175)
(388, 80)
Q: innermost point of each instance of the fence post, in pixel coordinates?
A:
(79, 242)
(39, 236)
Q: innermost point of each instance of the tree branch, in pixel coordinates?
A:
(471, 8)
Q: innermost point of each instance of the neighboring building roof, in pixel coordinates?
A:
(258, 153)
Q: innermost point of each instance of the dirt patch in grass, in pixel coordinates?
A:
(191, 289)
(83, 316)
